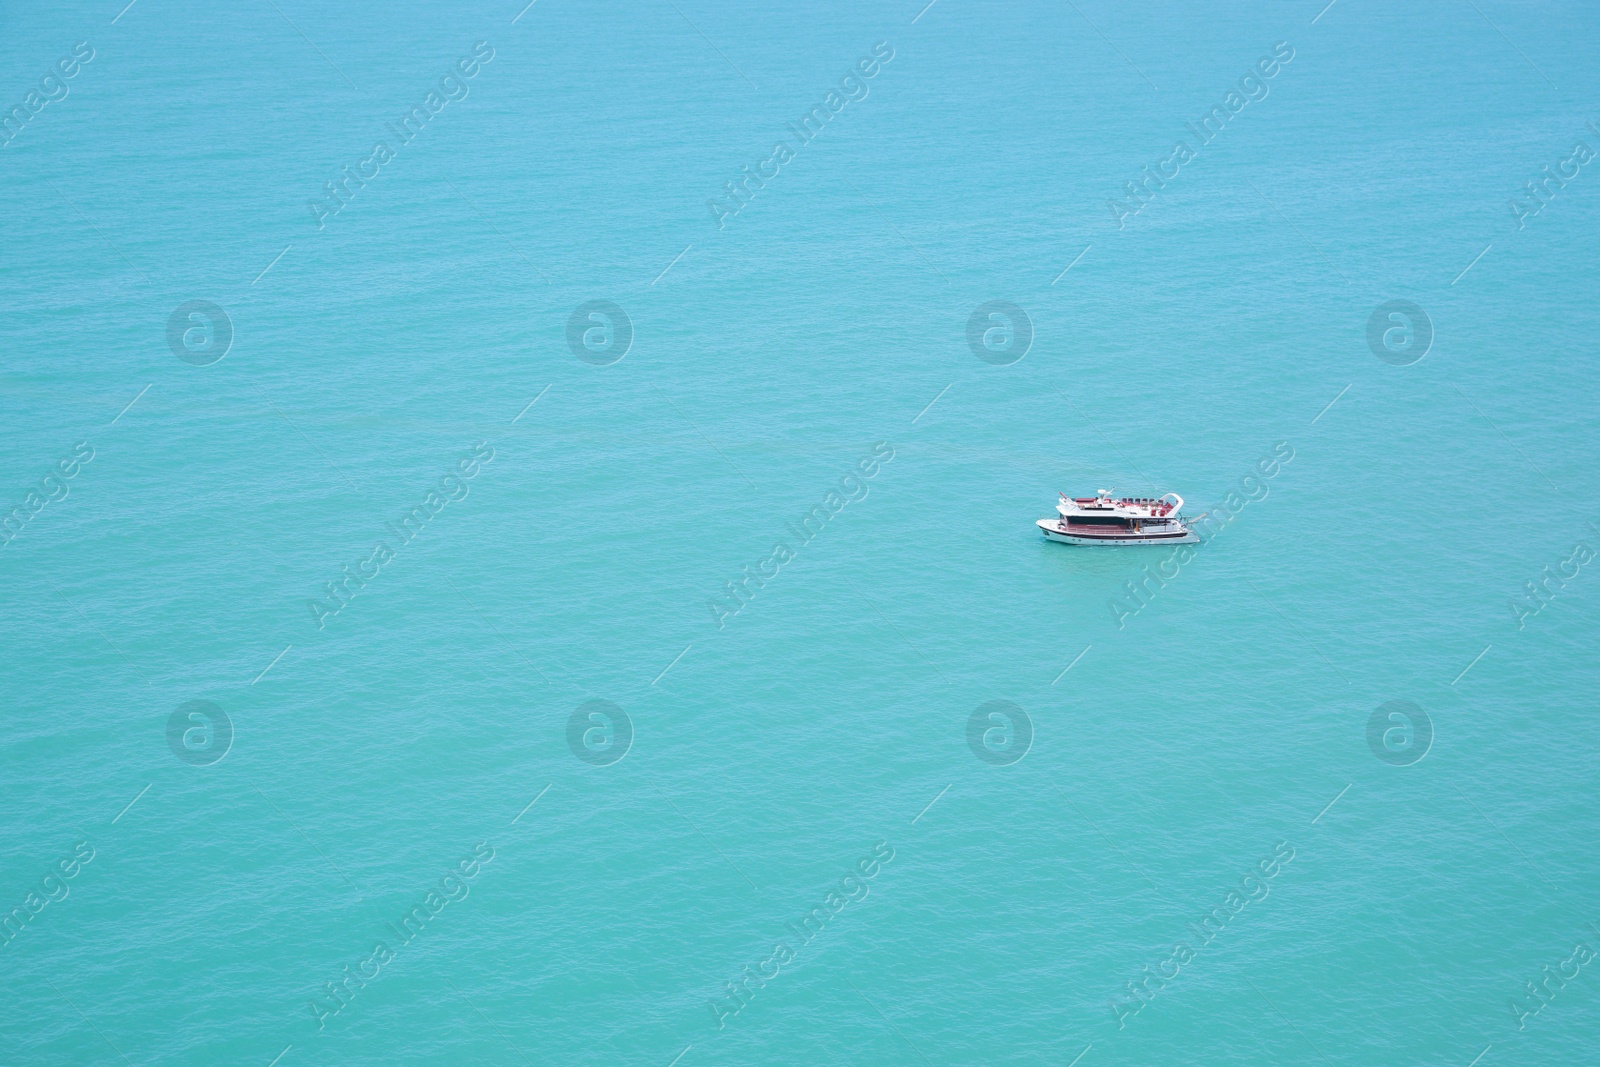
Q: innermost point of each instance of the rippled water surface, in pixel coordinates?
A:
(484, 587)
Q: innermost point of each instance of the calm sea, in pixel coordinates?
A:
(490, 581)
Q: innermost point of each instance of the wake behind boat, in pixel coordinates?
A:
(1106, 520)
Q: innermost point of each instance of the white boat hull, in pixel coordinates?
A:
(1054, 530)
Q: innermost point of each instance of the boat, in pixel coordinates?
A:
(1104, 519)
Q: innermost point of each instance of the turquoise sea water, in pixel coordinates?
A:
(571, 551)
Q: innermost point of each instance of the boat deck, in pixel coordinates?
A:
(1107, 532)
